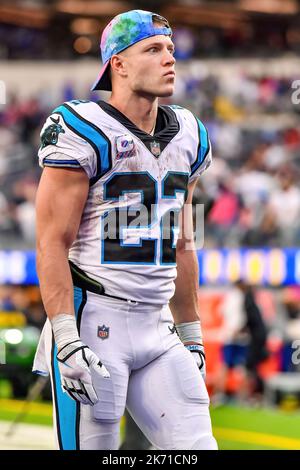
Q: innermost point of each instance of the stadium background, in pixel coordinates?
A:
(237, 69)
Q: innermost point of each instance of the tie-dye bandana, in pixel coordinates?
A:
(129, 28)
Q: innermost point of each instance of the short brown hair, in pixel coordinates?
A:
(160, 20)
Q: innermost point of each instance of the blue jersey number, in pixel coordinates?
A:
(145, 251)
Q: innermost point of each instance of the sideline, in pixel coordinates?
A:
(250, 437)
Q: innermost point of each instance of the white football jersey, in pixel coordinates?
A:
(138, 185)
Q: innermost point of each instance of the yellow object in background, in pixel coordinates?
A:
(12, 319)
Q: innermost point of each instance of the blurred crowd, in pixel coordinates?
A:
(251, 38)
(251, 191)
(252, 187)
(19, 173)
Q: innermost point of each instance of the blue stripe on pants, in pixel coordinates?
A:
(67, 410)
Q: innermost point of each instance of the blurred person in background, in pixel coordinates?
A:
(25, 209)
(257, 343)
(224, 216)
(282, 217)
(244, 337)
(5, 218)
(234, 341)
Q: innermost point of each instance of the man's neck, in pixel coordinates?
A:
(140, 110)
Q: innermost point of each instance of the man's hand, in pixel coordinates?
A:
(191, 335)
(76, 363)
(198, 354)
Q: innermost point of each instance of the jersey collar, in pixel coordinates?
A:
(167, 126)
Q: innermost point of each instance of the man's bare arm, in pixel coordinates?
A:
(184, 303)
(61, 197)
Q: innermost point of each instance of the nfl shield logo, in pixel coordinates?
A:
(103, 332)
(155, 148)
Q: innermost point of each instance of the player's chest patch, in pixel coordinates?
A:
(124, 147)
(155, 148)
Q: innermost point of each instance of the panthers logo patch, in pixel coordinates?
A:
(51, 133)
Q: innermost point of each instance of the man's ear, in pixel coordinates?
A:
(118, 65)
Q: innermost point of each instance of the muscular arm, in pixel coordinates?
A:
(184, 303)
(61, 197)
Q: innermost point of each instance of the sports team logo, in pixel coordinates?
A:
(125, 147)
(155, 148)
(103, 332)
(50, 135)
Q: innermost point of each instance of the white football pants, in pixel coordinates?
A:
(152, 374)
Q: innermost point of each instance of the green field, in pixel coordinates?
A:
(234, 427)
(35, 413)
(248, 428)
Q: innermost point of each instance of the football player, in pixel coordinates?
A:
(114, 229)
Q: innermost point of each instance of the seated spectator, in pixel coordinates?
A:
(283, 210)
(223, 215)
